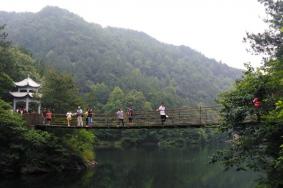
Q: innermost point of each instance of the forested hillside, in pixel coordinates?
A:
(101, 59)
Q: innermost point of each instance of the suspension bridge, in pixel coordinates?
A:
(186, 117)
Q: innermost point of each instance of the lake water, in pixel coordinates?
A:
(143, 168)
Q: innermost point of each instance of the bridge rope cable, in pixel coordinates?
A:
(184, 116)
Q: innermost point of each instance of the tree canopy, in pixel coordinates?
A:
(59, 92)
(15, 64)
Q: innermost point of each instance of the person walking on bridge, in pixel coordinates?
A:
(69, 118)
(43, 115)
(130, 114)
(80, 117)
(120, 116)
(89, 116)
(48, 117)
(162, 113)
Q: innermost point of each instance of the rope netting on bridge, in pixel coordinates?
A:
(186, 116)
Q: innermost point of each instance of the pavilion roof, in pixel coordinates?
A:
(22, 94)
(27, 82)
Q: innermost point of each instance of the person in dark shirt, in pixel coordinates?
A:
(89, 116)
(130, 114)
(44, 115)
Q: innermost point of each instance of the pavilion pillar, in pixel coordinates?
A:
(14, 104)
(27, 104)
(39, 108)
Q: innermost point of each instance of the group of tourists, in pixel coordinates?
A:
(21, 110)
(89, 113)
(130, 114)
(47, 116)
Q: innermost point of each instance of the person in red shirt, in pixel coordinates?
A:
(256, 102)
(257, 105)
(48, 117)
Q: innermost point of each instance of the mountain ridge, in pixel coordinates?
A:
(94, 54)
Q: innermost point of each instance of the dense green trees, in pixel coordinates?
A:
(59, 92)
(98, 95)
(119, 99)
(6, 81)
(163, 138)
(24, 150)
(15, 64)
(116, 100)
(259, 146)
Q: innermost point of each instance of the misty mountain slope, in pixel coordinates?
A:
(118, 57)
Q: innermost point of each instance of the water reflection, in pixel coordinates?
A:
(143, 168)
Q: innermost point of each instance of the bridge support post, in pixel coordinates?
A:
(107, 122)
(205, 116)
(200, 115)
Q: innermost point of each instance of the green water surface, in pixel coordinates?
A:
(143, 168)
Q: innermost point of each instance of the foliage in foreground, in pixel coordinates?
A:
(258, 146)
(24, 150)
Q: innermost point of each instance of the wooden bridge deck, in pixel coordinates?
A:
(178, 118)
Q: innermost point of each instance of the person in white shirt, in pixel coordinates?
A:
(162, 113)
(120, 116)
(80, 117)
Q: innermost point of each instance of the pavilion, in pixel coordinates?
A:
(26, 90)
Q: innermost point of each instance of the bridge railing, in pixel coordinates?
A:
(180, 116)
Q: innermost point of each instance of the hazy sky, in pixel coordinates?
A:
(213, 27)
